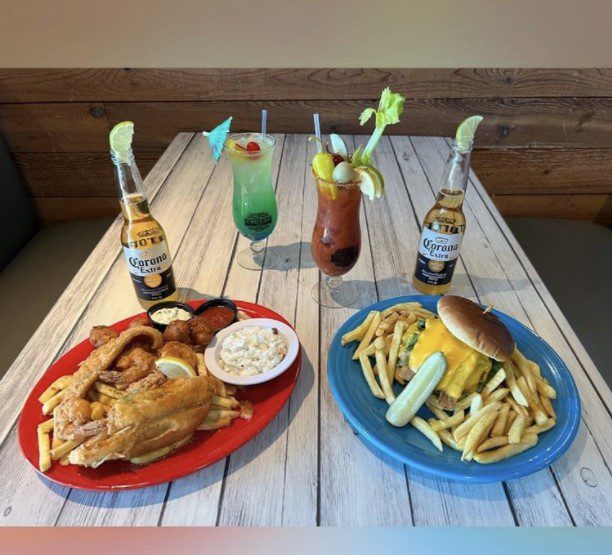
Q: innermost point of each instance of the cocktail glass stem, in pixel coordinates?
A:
(258, 257)
(334, 292)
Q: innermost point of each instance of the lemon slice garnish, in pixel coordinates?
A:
(172, 367)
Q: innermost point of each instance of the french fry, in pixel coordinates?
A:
(201, 367)
(386, 324)
(512, 385)
(368, 336)
(54, 388)
(427, 431)
(516, 430)
(499, 427)
(358, 333)
(463, 429)
(433, 401)
(215, 424)
(497, 395)
(221, 388)
(64, 461)
(492, 443)
(439, 413)
(383, 376)
(449, 422)
(396, 338)
(368, 374)
(44, 450)
(538, 429)
(465, 402)
(547, 406)
(476, 404)
(493, 383)
(448, 439)
(487, 457)
(519, 409)
(509, 421)
(522, 364)
(108, 390)
(224, 402)
(409, 306)
(476, 434)
(64, 449)
(49, 405)
(533, 401)
(97, 411)
(545, 389)
(47, 425)
(217, 414)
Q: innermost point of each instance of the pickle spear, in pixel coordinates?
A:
(414, 395)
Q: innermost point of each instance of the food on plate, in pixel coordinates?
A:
(167, 314)
(176, 349)
(139, 396)
(178, 330)
(488, 401)
(252, 350)
(100, 335)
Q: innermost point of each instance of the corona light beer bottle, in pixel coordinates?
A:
(143, 239)
(444, 224)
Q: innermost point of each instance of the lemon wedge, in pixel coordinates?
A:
(172, 367)
(371, 181)
(466, 131)
(120, 139)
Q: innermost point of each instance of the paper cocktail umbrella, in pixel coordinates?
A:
(217, 138)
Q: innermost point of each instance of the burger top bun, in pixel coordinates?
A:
(483, 331)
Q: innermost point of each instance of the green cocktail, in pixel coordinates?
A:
(254, 203)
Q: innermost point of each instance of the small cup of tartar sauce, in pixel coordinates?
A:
(162, 314)
(252, 351)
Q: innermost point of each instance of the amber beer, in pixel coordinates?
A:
(143, 239)
(443, 228)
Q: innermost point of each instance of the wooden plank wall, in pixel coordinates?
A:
(544, 148)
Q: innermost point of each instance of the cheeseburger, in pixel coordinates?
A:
(472, 340)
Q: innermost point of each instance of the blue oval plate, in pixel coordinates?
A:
(366, 413)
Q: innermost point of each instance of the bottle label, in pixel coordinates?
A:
(437, 257)
(151, 271)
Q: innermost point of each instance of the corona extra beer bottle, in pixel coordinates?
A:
(443, 227)
(142, 237)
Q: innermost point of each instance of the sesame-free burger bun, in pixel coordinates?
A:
(483, 331)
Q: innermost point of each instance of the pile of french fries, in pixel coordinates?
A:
(225, 408)
(502, 420)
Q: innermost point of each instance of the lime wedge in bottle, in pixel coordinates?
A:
(120, 139)
(371, 181)
(466, 131)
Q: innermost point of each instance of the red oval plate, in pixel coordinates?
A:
(205, 449)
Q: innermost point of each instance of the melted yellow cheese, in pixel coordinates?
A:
(465, 366)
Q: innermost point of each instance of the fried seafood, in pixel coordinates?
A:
(175, 349)
(150, 381)
(100, 335)
(71, 412)
(178, 330)
(140, 321)
(149, 420)
(131, 366)
(201, 333)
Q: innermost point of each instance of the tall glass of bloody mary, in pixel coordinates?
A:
(336, 241)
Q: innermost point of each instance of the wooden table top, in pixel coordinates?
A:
(307, 467)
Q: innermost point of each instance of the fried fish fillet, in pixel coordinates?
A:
(149, 421)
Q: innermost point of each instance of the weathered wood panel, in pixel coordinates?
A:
(59, 85)
(509, 122)
(538, 171)
(57, 210)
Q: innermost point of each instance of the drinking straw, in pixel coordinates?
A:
(264, 121)
(317, 126)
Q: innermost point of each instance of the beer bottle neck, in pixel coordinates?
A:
(128, 177)
(456, 172)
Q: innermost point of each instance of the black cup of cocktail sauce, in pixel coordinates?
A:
(166, 304)
(219, 313)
